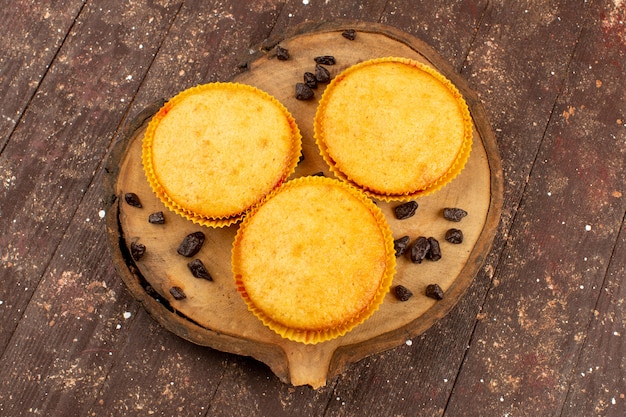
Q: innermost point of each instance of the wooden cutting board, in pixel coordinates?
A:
(213, 314)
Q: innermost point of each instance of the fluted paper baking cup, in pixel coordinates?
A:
(394, 127)
(215, 150)
(314, 260)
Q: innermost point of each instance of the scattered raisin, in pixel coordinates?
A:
(198, 270)
(281, 53)
(400, 245)
(132, 199)
(156, 218)
(310, 80)
(322, 75)
(349, 34)
(303, 92)
(434, 291)
(434, 254)
(454, 214)
(325, 60)
(191, 244)
(402, 293)
(405, 210)
(454, 236)
(419, 250)
(177, 293)
(137, 250)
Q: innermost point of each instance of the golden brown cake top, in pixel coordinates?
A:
(314, 260)
(215, 150)
(392, 126)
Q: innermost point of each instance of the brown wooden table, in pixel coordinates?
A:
(540, 332)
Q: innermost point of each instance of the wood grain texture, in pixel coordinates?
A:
(54, 338)
(534, 65)
(296, 14)
(598, 386)
(431, 22)
(32, 36)
(527, 344)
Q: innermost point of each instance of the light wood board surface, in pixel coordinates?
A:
(213, 313)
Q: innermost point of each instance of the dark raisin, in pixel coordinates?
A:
(303, 92)
(349, 34)
(281, 53)
(156, 218)
(400, 245)
(132, 199)
(322, 75)
(137, 250)
(434, 291)
(325, 60)
(419, 250)
(309, 80)
(454, 214)
(434, 254)
(454, 236)
(177, 293)
(402, 293)
(198, 270)
(405, 210)
(191, 244)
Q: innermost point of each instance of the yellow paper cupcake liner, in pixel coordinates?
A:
(458, 164)
(317, 336)
(177, 207)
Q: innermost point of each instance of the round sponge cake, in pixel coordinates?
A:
(214, 151)
(314, 260)
(394, 127)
